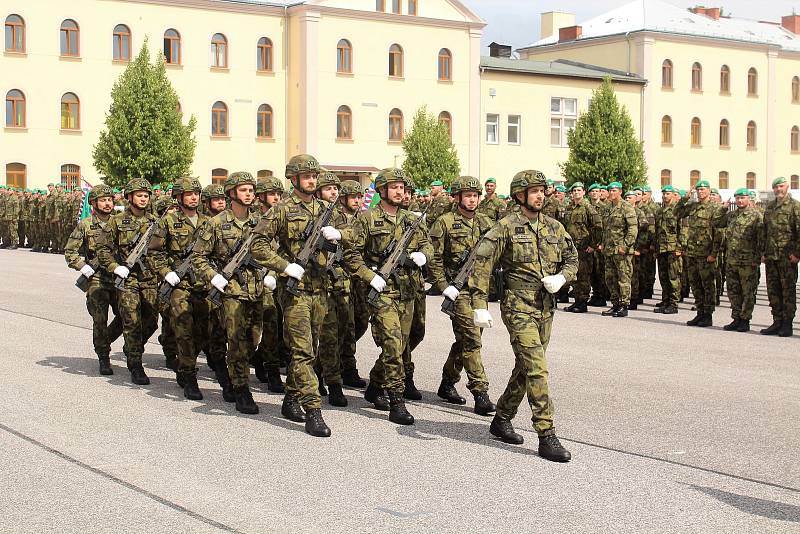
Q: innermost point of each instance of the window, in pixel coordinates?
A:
(344, 57)
(219, 119)
(794, 181)
(724, 136)
(412, 7)
(697, 77)
(15, 109)
(666, 177)
(70, 112)
(264, 55)
(694, 176)
(264, 173)
(396, 61)
(666, 74)
(751, 180)
(666, 130)
(121, 43)
(15, 34)
(172, 47)
(344, 123)
(514, 125)
(219, 51)
(395, 125)
(696, 137)
(752, 82)
(795, 139)
(725, 80)
(445, 65)
(15, 175)
(723, 179)
(492, 129)
(796, 90)
(563, 115)
(396, 7)
(446, 119)
(218, 176)
(70, 175)
(380, 5)
(751, 135)
(70, 38)
(264, 121)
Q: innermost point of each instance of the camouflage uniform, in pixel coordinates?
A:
(620, 229)
(650, 260)
(439, 206)
(644, 241)
(744, 244)
(12, 220)
(492, 207)
(670, 264)
(584, 225)
(600, 292)
(782, 238)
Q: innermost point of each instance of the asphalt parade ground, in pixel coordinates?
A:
(671, 428)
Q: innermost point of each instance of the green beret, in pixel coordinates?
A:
(578, 184)
(742, 192)
(631, 193)
(668, 189)
(683, 192)
(637, 188)
(169, 187)
(646, 189)
(550, 182)
(502, 197)
(561, 189)
(490, 181)
(752, 193)
(614, 185)
(426, 192)
(591, 187)
(603, 187)
(778, 181)
(157, 187)
(715, 190)
(117, 190)
(702, 183)
(436, 182)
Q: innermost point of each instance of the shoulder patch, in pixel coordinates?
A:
(126, 221)
(456, 226)
(519, 230)
(226, 226)
(378, 223)
(178, 225)
(94, 226)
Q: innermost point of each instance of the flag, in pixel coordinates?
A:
(371, 198)
(86, 210)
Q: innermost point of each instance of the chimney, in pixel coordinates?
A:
(791, 23)
(570, 33)
(553, 21)
(710, 12)
(500, 50)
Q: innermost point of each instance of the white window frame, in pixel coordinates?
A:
(496, 124)
(561, 120)
(517, 125)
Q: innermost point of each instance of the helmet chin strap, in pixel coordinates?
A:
(525, 204)
(463, 207)
(296, 184)
(389, 201)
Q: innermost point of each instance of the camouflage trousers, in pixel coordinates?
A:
(599, 288)
(583, 282)
(101, 296)
(361, 310)
(391, 328)
(465, 352)
(781, 287)
(269, 349)
(215, 344)
(335, 333)
(703, 280)
(646, 272)
(685, 277)
(742, 283)
(416, 334)
(189, 317)
(670, 268)
(650, 272)
(619, 269)
(10, 234)
(166, 338)
(243, 331)
(139, 313)
(529, 338)
(302, 320)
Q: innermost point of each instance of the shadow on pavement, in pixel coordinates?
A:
(752, 505)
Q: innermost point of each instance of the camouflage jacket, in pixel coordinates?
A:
(453, 237)
(116, 242)
(338, 279)
(584, 225)
(12, 208)
(3, 202)
(82, 246)
(666, 238)
(782, 229)
(620, 228)
(705, 222)
(552, 208)
(439, 206)
(167, 248)
(50, 206)
(745, 237)
(492, 207)
(647, 230)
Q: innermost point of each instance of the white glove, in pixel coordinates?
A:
(87, 271)
(219, 282)
(331, 234)
(554, 282)
(482, 318)
(378, 283)
(172, 278)
(270, 282)
(451, 293)
(295, 271)
(417, 213)
(122, 271)
(418, 258)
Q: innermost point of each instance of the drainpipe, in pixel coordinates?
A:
(628, 40)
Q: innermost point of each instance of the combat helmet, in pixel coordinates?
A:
(100, 191)
(350, 187)
(186, 184)
(212, 191)
(138, 184)
(328, 178)
(239, 178)
(468, 183)
(389, 175)
(525, 179)
(301, 164)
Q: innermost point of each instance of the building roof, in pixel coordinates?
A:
(659, 16)
(560, 67)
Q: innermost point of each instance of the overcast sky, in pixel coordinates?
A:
(516, 22)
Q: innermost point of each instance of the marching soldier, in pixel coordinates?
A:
(440, 202)
(670, 263)
(491, 205)
(584, 225)
(620, 228)
(644, 239)
(417, 333)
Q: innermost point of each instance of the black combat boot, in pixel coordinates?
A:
(659, 305)
(733, 325)
(224, 379)
(669, 310)
(376, 396)
(138, 376)
(551, 449)
(648, 294)
(696, 320)
(292, 410)
(105, 366)
(190, 388)
(336, 396)
(596, 302)
(483, 406)
(579, 306)
(622, 311)
(323, 392)
(611, 311)
(171, 362)
(772, 329)
(274, 382)
(411, 392)
(447, 391)
(315, 425)
(502, 429)
(562, 298)
(744, 326)
(258, 367)
(634, 305)
(397, 411)
(244, 400)
(351, 379)
(786, 328)
(705, 320)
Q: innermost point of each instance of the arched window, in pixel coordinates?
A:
(70, 112)
(724, 134)
(694, 177)
(344, 57)
(218, 176)
(666, 74)
(697, 77)
(70, 175)
(15, 109)
(752, 82)
(725, 80)
(795, 139)
(344, 123)
(794, 181)
(172, 47)
(396, 61)
(219, 51)
(264, 121)
(696, 132)
(15, 34)
(751, 180)
(219, 119)
(412, 7)
(70, 38)
(122, 43)
(723, 179)
(264, 173)
(796, 90)
(666, 130)
(666, 177)
(16, 175)
(395, 125)
(751, 135)
(445, 65)
(446, 119)
(264, 55)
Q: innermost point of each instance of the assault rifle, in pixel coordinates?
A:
(314, 242)
(138, 252)
(467, 262)
(240, 260)
(184, 268)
